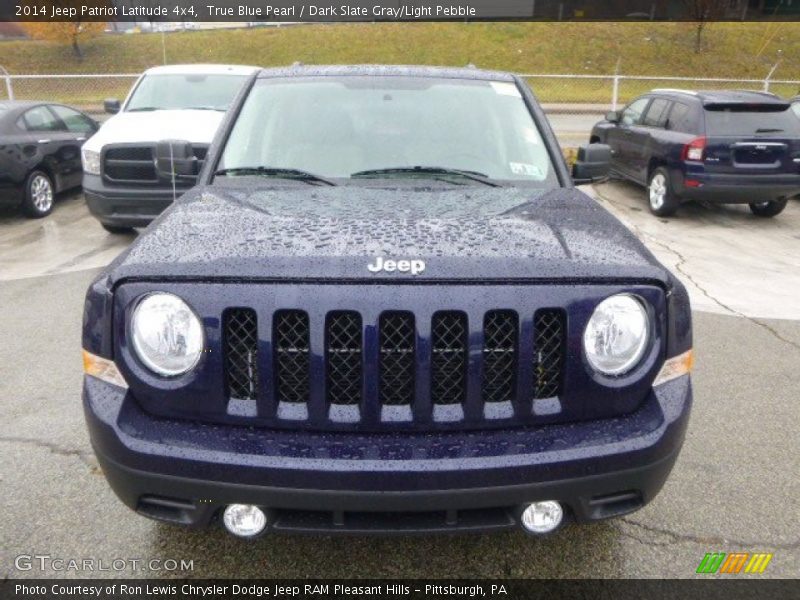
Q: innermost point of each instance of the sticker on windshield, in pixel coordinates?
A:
(526, 169)
(505, 89)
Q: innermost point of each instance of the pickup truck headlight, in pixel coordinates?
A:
(617, 334)
(167, 335)
(91, 161)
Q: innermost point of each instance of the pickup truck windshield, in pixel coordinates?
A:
(357, 127)
(185, 91)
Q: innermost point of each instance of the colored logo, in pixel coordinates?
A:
(733, 563)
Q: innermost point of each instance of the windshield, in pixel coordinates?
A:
(183, 91)
(751, 120)
(340, 126)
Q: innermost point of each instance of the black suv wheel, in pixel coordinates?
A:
(769, 208)
(662, 200)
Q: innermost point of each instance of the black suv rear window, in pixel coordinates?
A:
(744, 119)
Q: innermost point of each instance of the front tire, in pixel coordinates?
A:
(39, 195)
(769, 208)
(117, 230)
(661, 198)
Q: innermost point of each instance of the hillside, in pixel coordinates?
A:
(736, 50)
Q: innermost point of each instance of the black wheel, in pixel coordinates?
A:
(662, 200)
(769, 208)
(117, 230)
(39, 195)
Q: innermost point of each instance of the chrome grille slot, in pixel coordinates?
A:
(396, 360)
(500, 333)
(291, 340)
(549, 348)
(343, 349)
(241, 353)
(449, 348)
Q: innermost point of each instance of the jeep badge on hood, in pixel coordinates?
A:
(415, 267)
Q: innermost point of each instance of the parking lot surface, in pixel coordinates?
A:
(734, 488)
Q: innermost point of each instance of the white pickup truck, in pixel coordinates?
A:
(187, 102)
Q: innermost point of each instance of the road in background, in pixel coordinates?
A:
(573, 129)
(734, 487)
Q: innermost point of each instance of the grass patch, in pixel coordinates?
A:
(735, 50)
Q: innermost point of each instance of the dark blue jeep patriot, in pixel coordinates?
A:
(725, 147)
(386, 308)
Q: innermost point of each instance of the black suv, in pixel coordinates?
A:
(727, 147)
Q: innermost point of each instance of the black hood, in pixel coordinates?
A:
(463, 233)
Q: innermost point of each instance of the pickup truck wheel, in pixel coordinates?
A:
(117, 230)
(769, 208)
(39, 195)
(662, 200)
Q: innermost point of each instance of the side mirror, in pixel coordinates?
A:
(593, 164)
(613, 116)
(176, 158)
(111, 105)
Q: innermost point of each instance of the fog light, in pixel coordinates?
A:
(542, 517)
(244, 520)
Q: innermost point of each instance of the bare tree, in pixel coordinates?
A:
(702, 12)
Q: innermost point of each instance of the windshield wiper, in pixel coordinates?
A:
(419, 170)
(767, 130)
(217, 108)
(143, 109)
(275, 172)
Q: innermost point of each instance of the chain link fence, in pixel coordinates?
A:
(573, 102)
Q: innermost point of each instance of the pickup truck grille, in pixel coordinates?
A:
(398, 359)
(134, 164)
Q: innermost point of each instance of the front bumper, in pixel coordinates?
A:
(126, 206)
(187, 472)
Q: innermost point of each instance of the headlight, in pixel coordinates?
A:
(91, 161)
(617, 334)
(167, 336)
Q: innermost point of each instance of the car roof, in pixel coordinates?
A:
(299, 70)
(10, 110)
(15, 104)
(724, 96)
(202, 69)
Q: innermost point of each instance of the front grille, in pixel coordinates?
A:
(241, 353)
(449, 360)
(451, 363)
(130, 163)
(499, 355)
(292, 346)
(135, 164)
(396, 358)
(343, 346)
(548, 352)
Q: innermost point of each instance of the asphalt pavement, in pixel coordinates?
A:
(734, 488)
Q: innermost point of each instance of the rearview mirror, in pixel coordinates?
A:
(592, 165)
(111, 106)
(176, 158)
(612, 116)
